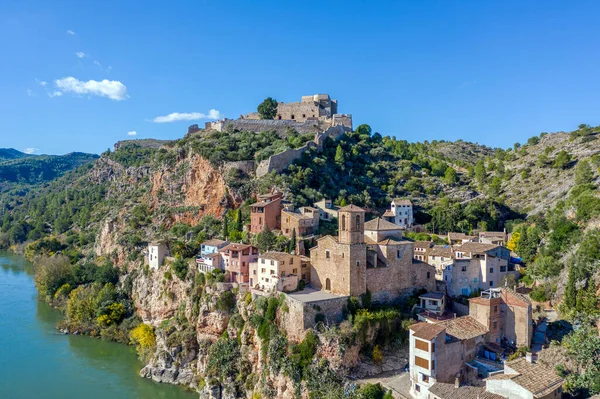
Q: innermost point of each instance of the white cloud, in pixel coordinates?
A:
(30, 93)
(80, 54)
(70, 32)
(112, 89)
(99, 65)
(30, 150)
(132, 133)
(42, 83)
(55, 93)
(187, 116)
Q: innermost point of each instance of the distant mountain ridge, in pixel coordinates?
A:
(17, 167)
(11, 153)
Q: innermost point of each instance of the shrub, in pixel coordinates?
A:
(143, 336)
(377, 355)
(225, 302)
(180, 268)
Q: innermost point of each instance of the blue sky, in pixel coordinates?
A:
(80, 75)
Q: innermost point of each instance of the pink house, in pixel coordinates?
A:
(236, 259)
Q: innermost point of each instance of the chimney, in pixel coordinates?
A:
(530, 357)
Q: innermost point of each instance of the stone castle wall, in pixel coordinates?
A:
(279, 162)
(261, 125)
(301, 315)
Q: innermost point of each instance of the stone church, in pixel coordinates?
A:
(371, 256)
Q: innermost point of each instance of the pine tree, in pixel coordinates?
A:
(340, 156)
(292, 247)
(583, 173)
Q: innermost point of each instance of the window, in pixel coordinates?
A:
(432, 347)
(343, 222)
(399, 254)
(357, 263)
(417, 388)
(271, 263)
(419, 361)
(491, 283)
(495, 308)
(495, 324)
(464, 268)
(262, 261)
(254, 272)
(428, 275)
(291, 261)
(327, 254)
(263, 270)
(433, 365)
(424, 378)
(491, 270)
(422, 345)
(357, 221)
(259, 220)
(294, 271)
(502, 269)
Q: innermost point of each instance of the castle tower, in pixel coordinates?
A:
(351, 225)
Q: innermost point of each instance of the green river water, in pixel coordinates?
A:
(38, 362)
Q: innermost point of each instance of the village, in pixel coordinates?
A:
(470, 316)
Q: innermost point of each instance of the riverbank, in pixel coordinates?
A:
(37, 361)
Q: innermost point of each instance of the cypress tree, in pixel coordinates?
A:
(292, 247)
(225, 228)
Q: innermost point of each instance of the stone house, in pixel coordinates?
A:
(523, 378)
(421, 250)
(438, 351)
(278, 271)
(506, 314)
(441, 257)
(478, 266)
(157, 251)
(460, 238)
(370, 256)
(209, 257)
(237, 259)
(400, 213)
(493, 237)
(327, 210)
(266, 212)
(305, 221)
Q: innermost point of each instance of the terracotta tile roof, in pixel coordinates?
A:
(296, 215)
(475, 247)
(213, 255)
(402, 201)
(278, 256)
(537, 378)
(524, 299)
(379, 224)
(459, 236)
(423, 244)
(351, 208)
(440, 250)
(500, 234)
(215, 242)
(464, 327)
(388, 213)
(449, 391)
(426, 331)
(235, 247)
(387, 241)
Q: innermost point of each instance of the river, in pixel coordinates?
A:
(37, 362)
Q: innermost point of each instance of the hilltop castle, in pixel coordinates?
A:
(313, 113)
